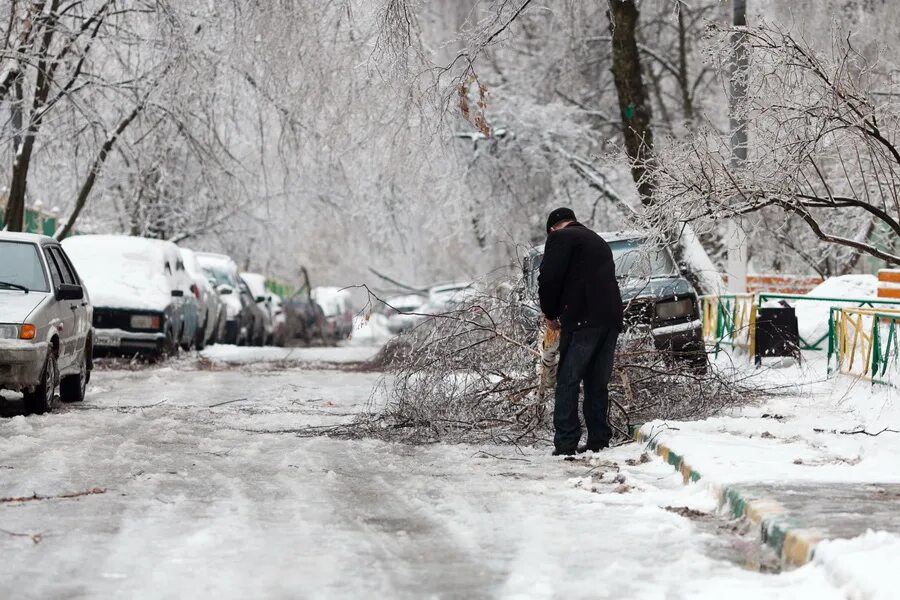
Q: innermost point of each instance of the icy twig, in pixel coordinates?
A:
(34, 537)
(227, 402)
(36, 496)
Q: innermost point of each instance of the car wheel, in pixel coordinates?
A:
(43, 398)
(200, 335)
(72, 388)
(171, 344)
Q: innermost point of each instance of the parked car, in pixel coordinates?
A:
(238, 328)
(395, 310)
(305, 319)
(337, 308)
(258, 315)
(209, 304)
(45, 322)
(263, 298)
(655, 296)
(141, 293)
(441, 299)
(279, 322)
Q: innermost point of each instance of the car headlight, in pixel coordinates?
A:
(675, 309)
(17, 332)
(145, 322)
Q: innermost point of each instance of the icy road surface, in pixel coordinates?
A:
(191, 483)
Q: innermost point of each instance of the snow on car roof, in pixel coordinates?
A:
(136, 248)
(14, 236)
(123, 271)
(609, 236)
(213, 258)
(256, 283)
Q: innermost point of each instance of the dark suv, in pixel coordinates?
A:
(655, 296)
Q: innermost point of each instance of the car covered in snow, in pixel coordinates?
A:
(256, 283)
(45, 322)
(279, 322)
(396, 309)
(337, 308)
(442, 298)
(656, 297)
(143, 303)
(239, 311)
(209, 305)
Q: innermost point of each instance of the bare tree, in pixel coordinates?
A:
(824, 127)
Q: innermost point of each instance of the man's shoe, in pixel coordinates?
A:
(592, 447)
(558, 452)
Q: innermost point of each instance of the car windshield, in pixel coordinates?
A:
(637, 259)
(222, 275)
(20, 265)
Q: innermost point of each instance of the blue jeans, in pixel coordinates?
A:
(586, 355)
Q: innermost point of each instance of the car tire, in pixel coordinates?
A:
(43, 398)
(72, 388)
(171, 347)
(200, 335)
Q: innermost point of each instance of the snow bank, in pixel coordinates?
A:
(863, 567)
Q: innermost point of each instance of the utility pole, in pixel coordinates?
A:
(737, 237)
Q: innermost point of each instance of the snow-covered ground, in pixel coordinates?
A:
(241, 355)
(196, 484)
(825, 447)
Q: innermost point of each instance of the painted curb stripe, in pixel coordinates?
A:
(792, 542)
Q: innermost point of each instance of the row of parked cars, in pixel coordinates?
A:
(62, 304)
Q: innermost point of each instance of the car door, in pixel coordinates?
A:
(82, 308)
(65, 311)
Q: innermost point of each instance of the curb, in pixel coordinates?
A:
(792, 542)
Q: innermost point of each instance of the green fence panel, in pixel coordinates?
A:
(846, 302)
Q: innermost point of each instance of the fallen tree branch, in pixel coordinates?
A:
(34, 537)
(36, 496)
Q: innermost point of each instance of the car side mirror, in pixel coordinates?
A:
(224, 290)
(177, 293)
(68, 291)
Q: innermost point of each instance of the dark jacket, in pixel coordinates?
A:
(577, 283)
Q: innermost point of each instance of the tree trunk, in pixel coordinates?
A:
(633, 102)
(737, 237)
(634, 106)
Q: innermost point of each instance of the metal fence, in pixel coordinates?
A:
(730, 320)
(820, 343)
(866, 344)
(35, 222)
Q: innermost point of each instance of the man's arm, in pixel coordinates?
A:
(557, 252)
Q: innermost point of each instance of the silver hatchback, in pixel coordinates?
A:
(45, 322)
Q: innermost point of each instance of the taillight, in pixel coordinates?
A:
(196, 291)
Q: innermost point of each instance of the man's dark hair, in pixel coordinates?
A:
(560, 214)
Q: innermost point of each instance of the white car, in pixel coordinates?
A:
(143, 303)
(45, 322)
(279, 321)
(263, 299)
(338, 309)
(396, 311)
(211, 311)
(238, 328)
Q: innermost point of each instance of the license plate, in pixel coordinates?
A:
(107, 339)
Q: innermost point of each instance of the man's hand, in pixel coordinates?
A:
(552, 324)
